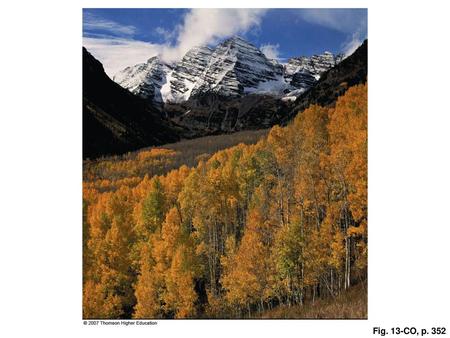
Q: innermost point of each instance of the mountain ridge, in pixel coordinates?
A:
(233, 68)
(334, 83)
(116, 120)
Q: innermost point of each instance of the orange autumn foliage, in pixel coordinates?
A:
(247, 228)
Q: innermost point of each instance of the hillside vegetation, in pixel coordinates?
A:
(108, 173)
(250, 229)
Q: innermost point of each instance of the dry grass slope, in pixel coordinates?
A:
(349, 305)
(160, 160)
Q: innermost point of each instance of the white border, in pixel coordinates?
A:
(41, 173)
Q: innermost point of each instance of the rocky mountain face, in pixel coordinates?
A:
(231, 87)
(233, 69)
(211, 113)
(315, 65)
(145, 79)
(303, 72)
(183, 78)
(114, 120)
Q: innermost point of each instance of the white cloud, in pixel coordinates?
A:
(271, 51)
(93, 22)
(207, 26)
(200, 27)
(165, 33)
(352, 44)
(116, 53)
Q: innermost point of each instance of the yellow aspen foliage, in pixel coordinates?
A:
(171, 232)
(166, 283)
(181, 296)
(110, 237)
(348, 144)
(173, 183)
(149, 288)
(151, 210)
(280, 143)
(98, 303)
(287, 257)
(337, 250)
(246, 271)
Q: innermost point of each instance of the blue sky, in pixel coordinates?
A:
(123, 37)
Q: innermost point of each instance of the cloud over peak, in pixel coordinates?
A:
(203, 26)
(199, 27)
(116, 53)
(271, 51)
(118, 45)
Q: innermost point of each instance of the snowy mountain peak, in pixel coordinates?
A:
(145, 79)
(234, 65)
(233, 68)
(153, 59)
(237, 42)
(315, 65)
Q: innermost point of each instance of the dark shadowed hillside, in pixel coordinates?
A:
(114, 120)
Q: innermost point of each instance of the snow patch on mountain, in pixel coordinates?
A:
(145, 79)
(277, 86)
(166, 90)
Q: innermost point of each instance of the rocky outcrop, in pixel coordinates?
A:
(315, 65)
(186, 73)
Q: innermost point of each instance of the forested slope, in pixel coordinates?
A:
(107, 171)
(252, 228)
